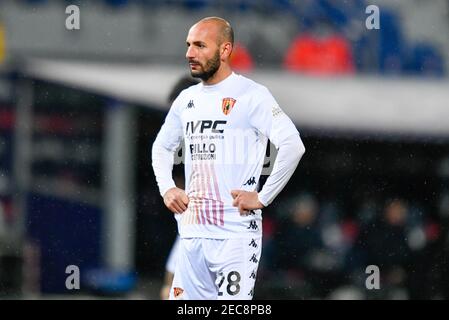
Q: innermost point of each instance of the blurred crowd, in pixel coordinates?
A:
(313, 250)
(332, 37)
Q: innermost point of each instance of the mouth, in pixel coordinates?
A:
(194, 65)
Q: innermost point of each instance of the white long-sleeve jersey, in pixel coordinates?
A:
(225, 128)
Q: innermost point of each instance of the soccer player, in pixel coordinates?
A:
(226, 121)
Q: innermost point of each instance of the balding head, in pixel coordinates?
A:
(209, 47)
(223, 28)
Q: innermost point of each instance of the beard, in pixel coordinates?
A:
(209, 69)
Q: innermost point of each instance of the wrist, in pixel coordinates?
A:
(166, 190)
(261, 201)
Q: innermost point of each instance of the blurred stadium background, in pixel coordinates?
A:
(79, 110)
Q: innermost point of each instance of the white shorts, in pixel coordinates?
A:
(216, 269)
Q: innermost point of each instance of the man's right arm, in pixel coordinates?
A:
(163, 151)
(162, 155)
(175, 198)
(164, 147)
(162, 162)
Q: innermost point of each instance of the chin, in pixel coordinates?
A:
(195, 74)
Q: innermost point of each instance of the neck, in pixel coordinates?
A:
(222, 73)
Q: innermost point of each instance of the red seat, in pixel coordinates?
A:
(241, 59)
(311, 55)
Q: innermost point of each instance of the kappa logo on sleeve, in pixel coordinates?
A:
(227, 105)
(177, 292)
(250, 181)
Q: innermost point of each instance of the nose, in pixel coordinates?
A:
(190, 53)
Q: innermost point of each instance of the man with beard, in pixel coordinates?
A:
(226, 121)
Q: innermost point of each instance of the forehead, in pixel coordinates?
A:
(203, 31)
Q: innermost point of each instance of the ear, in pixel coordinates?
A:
(226, 50)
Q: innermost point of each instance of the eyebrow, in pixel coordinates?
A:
(196, 43)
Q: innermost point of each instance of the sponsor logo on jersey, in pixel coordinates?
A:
(250, 181)
(253, 243)
(202, 126)
(253, 225)
(190, 105)
(177, 292)
(276, 111)
(254, 258)
(253, 275)
(227, 105)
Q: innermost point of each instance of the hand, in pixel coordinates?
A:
(164, 293)
(246, 201)
(176, 200)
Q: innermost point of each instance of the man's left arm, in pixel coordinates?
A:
(290, 152)
(270, 120)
